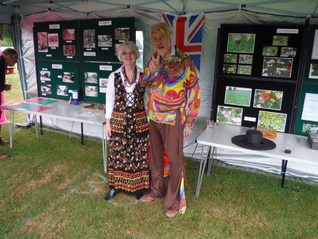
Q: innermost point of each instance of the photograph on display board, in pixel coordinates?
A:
(268, 99)
(89, 38)
(241, 42)
(122, 33)
(68, 77)
(277, 67)
(53, 40)
(229, 69)
(229, 115)
(68, 34)
(314, 53)
(62, 90)
(245, 59)
(91, 77)
(69, 50)
(42, 42)
(230, 58)
(91, 91)
(270, 51)
(45, 75)
(271, 120)
(310, 111)
(46, 89)
(238, 96)
(313, 71)
(310, 128)
(288, 52)
(244, 70)
(279, 40)
(105, 40)
(103, 85)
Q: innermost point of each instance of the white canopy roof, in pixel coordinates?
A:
(295, 8)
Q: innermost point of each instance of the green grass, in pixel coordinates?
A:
(53, 187)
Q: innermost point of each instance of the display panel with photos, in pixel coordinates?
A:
(57, 80)
(56, 40)
(272, 120)
(94, 80)
(100, 37)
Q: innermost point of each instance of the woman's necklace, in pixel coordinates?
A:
(133, 74)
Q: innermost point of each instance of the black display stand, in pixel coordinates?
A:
(78, 56)
(257, 72)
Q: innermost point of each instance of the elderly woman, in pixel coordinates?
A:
(127, 127)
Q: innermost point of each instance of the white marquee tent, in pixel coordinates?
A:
(22, 14)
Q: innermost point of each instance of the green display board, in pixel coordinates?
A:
(99, 38)
(56, 40)
(95, 79)
(56, 79)
(307, 113)
(79, 55)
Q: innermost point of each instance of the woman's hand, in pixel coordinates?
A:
(108, 129)
(7, 87)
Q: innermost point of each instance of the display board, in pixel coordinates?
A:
(56, 79)
(95, 79)
(257, 74)
(307, 114)
(79, 55)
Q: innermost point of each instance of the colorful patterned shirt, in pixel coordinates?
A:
(175, 86)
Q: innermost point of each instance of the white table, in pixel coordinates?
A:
(220, 137)
(57, 109)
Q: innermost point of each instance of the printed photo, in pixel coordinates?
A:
(310, 128)
(42, 42)
(229, 115)
(68, 34)
(105, 40)
(288, 52)
(53, 39)
(270, 51)
(91, 77)
(241, 42)
(313, 72)
(271, 120)
(103, 82)
(89, 38)
(277, 67)
(91, 91)
(268, 99)
(280, 40)
(238, 96)
(62, 90)
(244, 70)
(230, 58)
(245, 59)
(122, 33)
(229, 69)
(69, 50)
(68, 77)
(46, 89)
(45, 76)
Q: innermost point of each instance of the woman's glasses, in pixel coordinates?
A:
(124, 53)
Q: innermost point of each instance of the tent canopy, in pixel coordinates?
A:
(294, 8)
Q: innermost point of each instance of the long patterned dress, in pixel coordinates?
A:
(128, 161)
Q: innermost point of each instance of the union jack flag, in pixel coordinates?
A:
(188, 30)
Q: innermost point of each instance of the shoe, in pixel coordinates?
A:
(3, 142)
(110, 195)
(138, 195)
(4, 157)
(147, 198)
(171, 213)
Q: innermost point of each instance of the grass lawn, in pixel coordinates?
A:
(53, 187)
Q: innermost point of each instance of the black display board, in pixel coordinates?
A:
(79, 55)
(307, 113)
(257, 71)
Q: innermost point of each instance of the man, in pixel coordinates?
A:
(9, 57)
(174, 101)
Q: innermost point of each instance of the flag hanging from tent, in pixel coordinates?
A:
(187, 30)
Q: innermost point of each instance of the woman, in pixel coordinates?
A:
(127, 127)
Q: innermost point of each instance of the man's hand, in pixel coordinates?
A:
(7, 87)
(154, 63)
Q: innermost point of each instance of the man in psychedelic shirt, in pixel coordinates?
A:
(174, 101)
